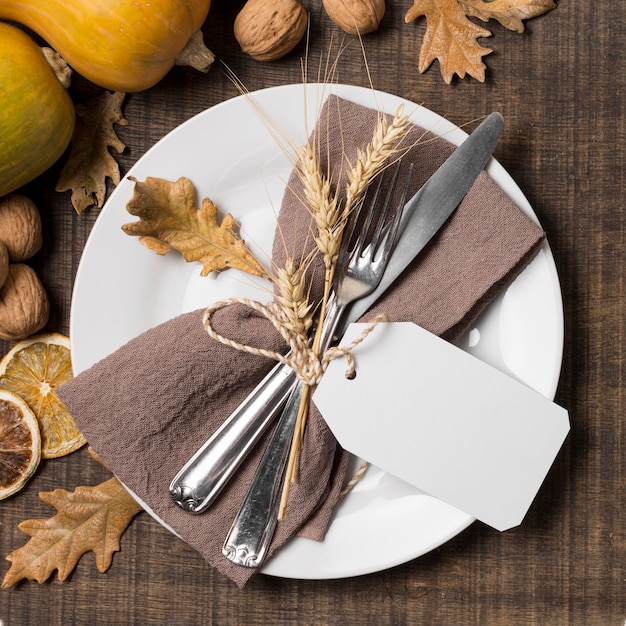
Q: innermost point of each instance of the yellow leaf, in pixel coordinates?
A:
(90, 518)
(90, 162)
(169, 220)
(509, 13)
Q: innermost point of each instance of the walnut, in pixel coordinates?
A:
(4, 263)
(356, 17)
(20, 227)
(24, 305)
(269, 29)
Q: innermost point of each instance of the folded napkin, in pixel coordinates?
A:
(147, 407)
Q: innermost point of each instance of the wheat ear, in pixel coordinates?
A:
(330, 221)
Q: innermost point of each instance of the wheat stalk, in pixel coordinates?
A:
(384, 144)
(293, 298)
(323, 202)
(330, 221)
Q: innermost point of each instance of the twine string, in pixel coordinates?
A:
(349, 486)
(305, 362)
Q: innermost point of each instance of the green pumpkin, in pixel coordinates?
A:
(37, 115)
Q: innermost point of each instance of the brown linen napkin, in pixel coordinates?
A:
(148, 406)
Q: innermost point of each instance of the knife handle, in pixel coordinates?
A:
(200, 480)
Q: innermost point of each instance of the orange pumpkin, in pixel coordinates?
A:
(122, 45)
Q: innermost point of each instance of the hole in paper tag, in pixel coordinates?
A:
(443, 421)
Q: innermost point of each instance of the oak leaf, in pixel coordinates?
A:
(510, 13)
(452, 38)
(170, 220)
(90, 161)
(88, 519)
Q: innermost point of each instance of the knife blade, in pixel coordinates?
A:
(428, 210)
(196, 486)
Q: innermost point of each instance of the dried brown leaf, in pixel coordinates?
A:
(90, 161)
(452, 38)
(510, 13)
(170, 220)
(90, 518)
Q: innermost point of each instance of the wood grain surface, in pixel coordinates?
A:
(561, 87)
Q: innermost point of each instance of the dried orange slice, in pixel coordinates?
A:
(20, 443)
(33, 369)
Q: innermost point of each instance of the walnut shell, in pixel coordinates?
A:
(356, 17)
(20, 227)
(4, 263)
(24, 305)
(269, 29)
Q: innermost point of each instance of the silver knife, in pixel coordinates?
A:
(198, 483)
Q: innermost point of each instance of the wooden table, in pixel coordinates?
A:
(560, 86)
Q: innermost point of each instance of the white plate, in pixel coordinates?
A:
(122, 289)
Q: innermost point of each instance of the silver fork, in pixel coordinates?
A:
(198, 483)
(365, 251)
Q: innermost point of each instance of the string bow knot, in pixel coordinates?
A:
(301, 358)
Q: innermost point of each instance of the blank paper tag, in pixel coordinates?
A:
(443, 421)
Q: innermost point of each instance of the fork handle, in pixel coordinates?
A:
(200, 480)
(198, 483)
(253, 528)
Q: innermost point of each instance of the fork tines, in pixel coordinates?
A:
(379, 227)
